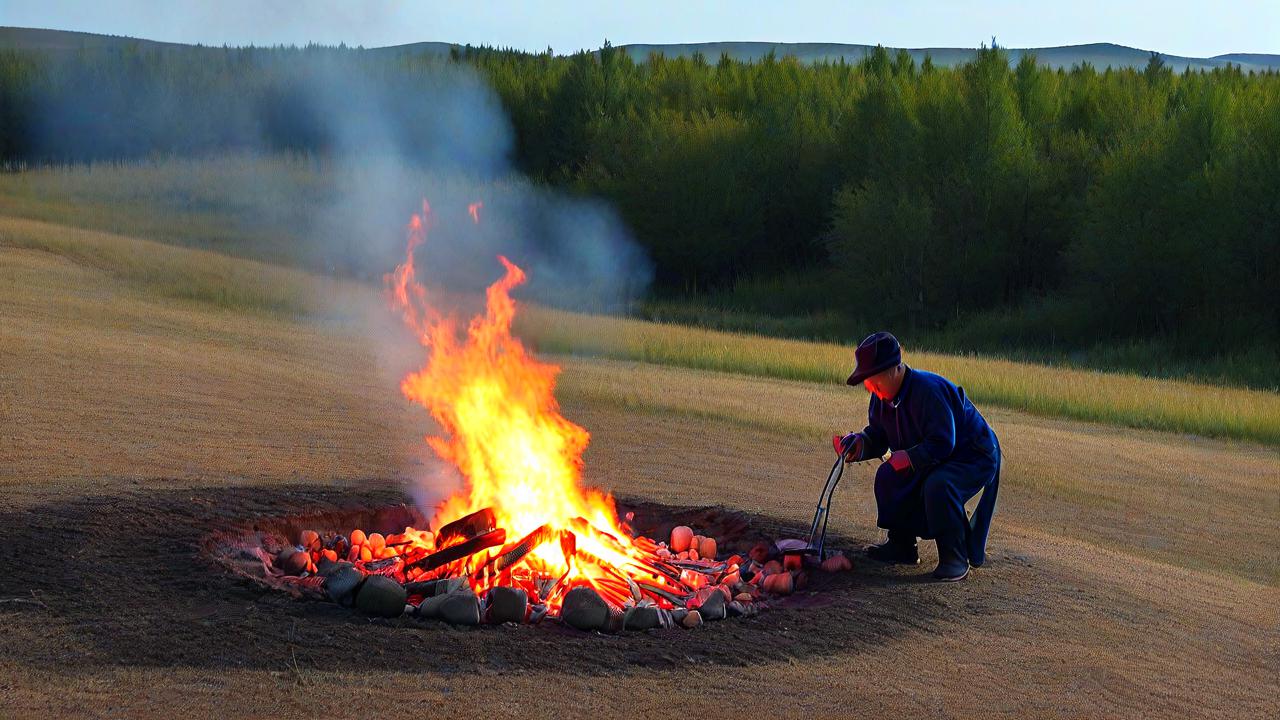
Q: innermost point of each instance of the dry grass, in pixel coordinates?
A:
(1143, 553)
(175, 272)
(254, 206)
(112, 298)
(1117, 399)
(1112, 398)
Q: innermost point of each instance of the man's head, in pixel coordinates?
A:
(886, 384)
(880, 367)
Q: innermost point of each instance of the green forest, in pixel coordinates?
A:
(1116, 217)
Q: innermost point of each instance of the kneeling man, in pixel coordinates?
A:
(943, 453)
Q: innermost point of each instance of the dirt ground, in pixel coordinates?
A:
(1131, 574)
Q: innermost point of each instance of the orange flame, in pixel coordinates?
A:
(503, 430)
(474, 210)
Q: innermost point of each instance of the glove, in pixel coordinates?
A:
(900, 461)
(850, 446)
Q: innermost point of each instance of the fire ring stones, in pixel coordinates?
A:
(507, 604)
(381, 596)
(430, 607)
(584, 609)
(460, 608)
(292, 561)
(686, 588)
(713, 606)
(342, 583)
(641, 617)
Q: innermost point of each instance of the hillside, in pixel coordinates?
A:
(1100, 55)
(140, 422)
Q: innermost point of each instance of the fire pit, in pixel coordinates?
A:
(524, 540)
(316, 557)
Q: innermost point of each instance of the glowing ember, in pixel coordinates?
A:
(521, 461)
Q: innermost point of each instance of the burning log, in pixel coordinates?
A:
(462, 550)
(629, 589)
(522, 481)
(477, 523)
(512, 554)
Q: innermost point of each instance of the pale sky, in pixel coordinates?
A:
(1178, 27)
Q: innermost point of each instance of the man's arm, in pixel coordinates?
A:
(939, 425)
(874, 442)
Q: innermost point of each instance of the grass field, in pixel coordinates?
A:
(1129, 568)
(1116, 399)
(302, 212)
(1113, 398)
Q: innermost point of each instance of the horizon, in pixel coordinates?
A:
(690, 43)
(1183, 29)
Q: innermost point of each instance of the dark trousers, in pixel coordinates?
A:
(931, 504)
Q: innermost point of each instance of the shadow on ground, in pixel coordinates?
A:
(123, 577)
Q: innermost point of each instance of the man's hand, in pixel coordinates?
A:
(900, 461)
(850, 446)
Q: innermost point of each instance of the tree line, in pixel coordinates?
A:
(1020, 204)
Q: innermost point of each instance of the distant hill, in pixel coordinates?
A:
(41, 39)
(1100, 55)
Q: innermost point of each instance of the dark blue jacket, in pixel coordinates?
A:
(931, 418)
(935, 423)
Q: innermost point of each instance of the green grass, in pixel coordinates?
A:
(1014, 335)
(1112, 398)
(217, 209)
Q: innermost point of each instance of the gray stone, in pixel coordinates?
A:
(713, 607)
(292, 562)
(326, 568)
(452, 585)
(430, 607)
(460, 608)
(642, 618)
(584, 609)
(507, 604)
(341, 583)
(536, 613)
(425, 588)
(381, 596)
(614, 623)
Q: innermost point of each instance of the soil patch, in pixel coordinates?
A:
(131, 578)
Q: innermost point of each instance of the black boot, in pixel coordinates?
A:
(953, 558)
(900, 548)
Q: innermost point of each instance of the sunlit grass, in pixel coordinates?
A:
(195, 203)
(1112, 398)
(181, 273)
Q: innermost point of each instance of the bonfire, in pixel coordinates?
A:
(523, 539)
